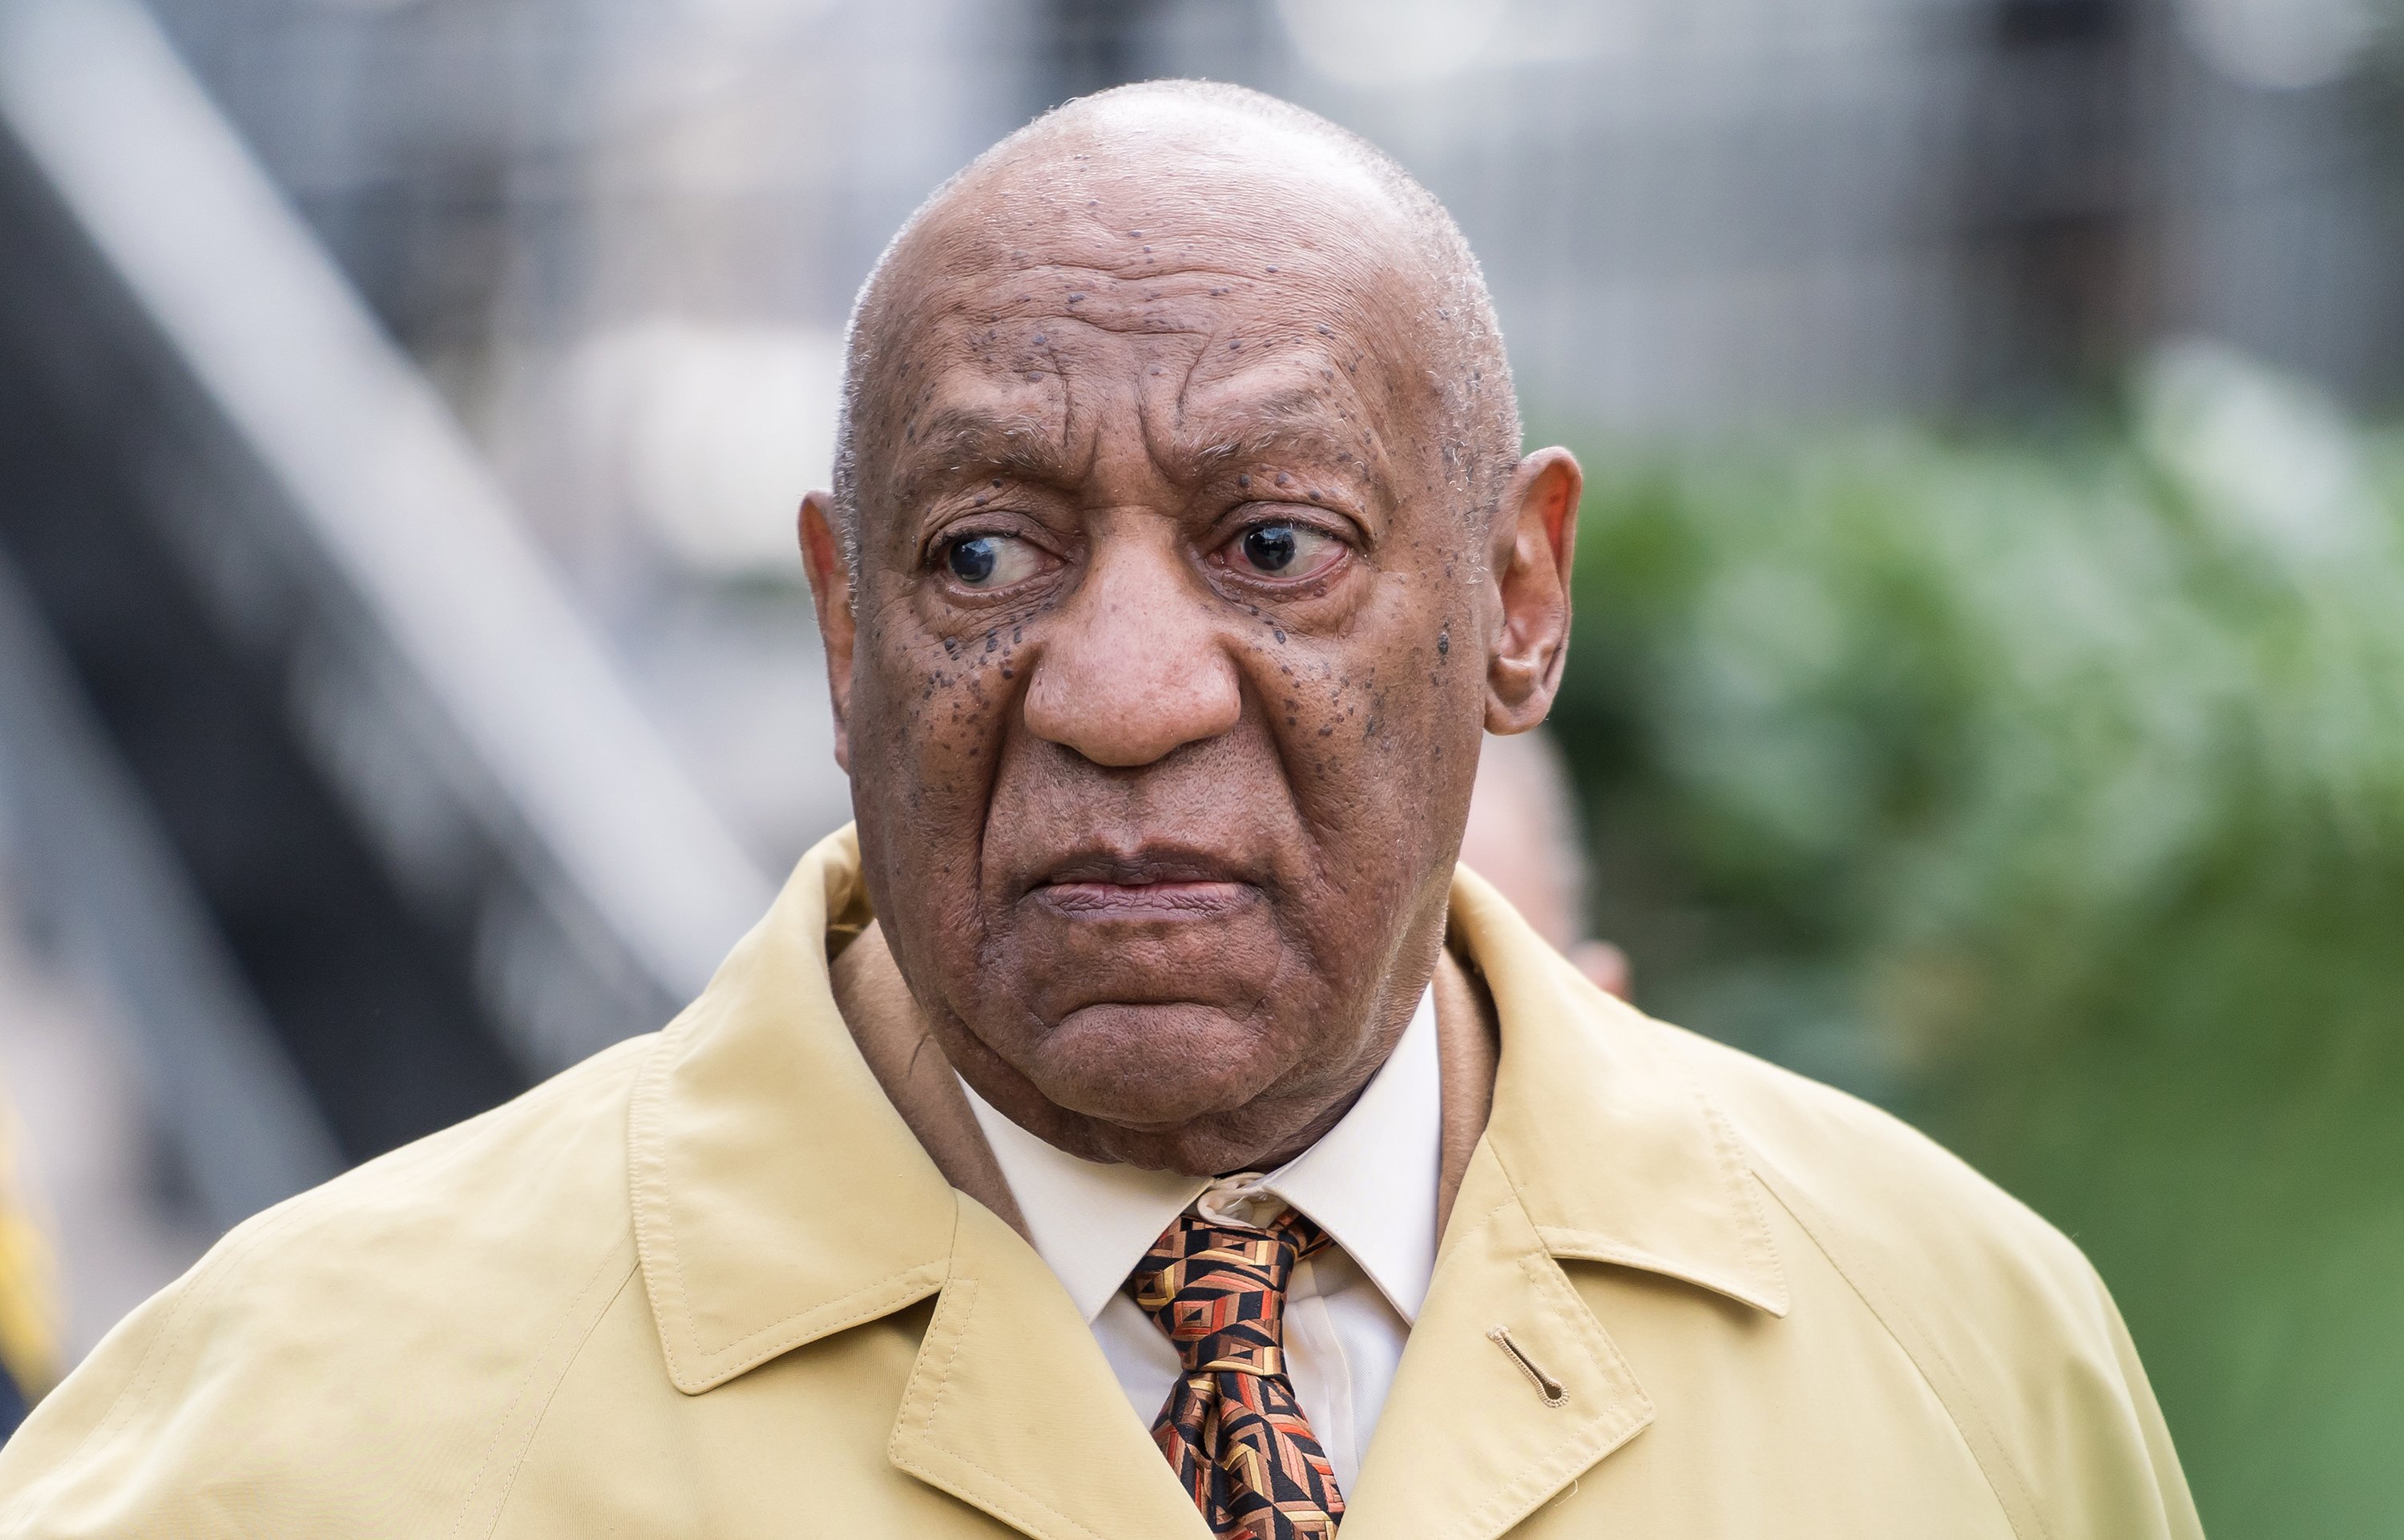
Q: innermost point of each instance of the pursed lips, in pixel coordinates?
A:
(1144, 885)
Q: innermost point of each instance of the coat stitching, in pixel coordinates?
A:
(1985, 1445)
(500, 1433)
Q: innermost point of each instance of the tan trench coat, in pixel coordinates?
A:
(709, 1284)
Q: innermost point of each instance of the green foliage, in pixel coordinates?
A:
(2053, 794)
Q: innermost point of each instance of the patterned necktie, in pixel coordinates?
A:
(1232, 1430)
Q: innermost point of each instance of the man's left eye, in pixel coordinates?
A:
(1281, 550)
(991, 561)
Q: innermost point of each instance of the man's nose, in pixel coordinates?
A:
(1134, 667)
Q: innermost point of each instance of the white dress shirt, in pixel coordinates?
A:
(1370, 1183)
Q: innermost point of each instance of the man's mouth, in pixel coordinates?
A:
(1145, 884)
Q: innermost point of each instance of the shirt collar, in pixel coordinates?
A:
(1090, 1221)
(1370, 1183)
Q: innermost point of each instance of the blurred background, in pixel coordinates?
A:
(1989, 686)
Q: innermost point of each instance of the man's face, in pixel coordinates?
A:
(1168, 674)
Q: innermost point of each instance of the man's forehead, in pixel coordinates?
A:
(977, 421)
(1238, 337)
(1242, 293)
(1174, 211)
(1263, 291)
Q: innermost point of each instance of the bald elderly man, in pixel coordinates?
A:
(1135, 1126)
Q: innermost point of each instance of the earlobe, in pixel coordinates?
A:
(1535, 540)
(830, 595)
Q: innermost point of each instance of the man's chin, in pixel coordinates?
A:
(1244, 1139)
(1203, 1148)
(1152, 1067)
(1166, 1085)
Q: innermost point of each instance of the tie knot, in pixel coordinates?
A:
(1218, 1290)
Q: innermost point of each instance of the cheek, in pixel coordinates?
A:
(1370, 730)
(937, 704)
(931, 716)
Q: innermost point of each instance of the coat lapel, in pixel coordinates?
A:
(1508, 1390)
(777, 1194)
(1614, 1150)
(1600, 1147)
(781, 1196)
(1012, 1408)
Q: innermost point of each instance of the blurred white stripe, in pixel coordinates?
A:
(372, 458)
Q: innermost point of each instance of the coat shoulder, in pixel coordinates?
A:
(510, 1194)
(1872, 1180)
(244, 1397)
(2005, 1317)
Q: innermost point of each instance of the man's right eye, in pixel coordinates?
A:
(991, 561)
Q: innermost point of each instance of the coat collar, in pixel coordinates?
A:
(1600, 1147)
(1609, 1142)
(778, 1196)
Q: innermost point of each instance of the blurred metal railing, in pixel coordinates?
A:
(391, 780)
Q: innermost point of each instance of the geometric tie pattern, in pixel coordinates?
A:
(1231, 1428)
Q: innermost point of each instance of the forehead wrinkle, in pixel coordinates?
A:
(1182, 269)
(965, 297)
(1143, 304)
(1289, 423)
(961, 438)
(1316, 220)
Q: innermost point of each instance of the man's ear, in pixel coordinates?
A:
(829, 577)
(1535, 540)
